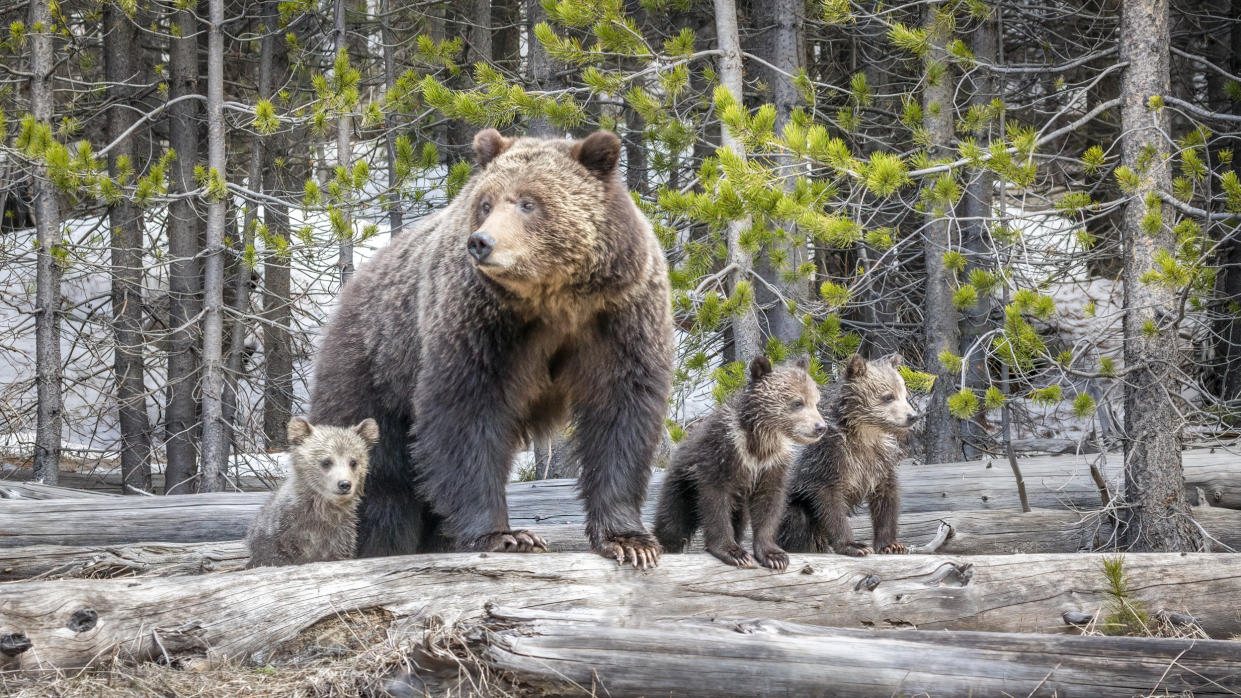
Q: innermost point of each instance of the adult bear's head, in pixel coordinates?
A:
(552, 214)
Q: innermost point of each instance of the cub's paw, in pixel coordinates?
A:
(894, 549)
(735, 555)
(639, 549)
(854, 549)
(509, 542)
(772, 558)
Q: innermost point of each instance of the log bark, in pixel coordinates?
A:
(38, 490)
(972, 533)
(75, 623)
(578, 653)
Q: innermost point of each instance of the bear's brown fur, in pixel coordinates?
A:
(313, 515)
(538, 296)
(736, 464)
(856, 461)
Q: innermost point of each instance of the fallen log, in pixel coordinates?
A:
(75, 623)
(10, 489)
(581, 654)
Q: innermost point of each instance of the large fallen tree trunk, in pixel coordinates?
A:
(73, 623)
(579, 654)
(38, 490)
(973, 533)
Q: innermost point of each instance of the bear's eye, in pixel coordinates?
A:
(889, 398)
(798, 404)
(526, 206)
(326, 463)
(484, 208)
(353, 464)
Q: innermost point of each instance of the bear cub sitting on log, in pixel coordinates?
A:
(867, 412)
(736, 463)
(313, 516)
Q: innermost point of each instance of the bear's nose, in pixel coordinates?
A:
(820, 429)
(913, 417)
(343, 486)
(480, 245)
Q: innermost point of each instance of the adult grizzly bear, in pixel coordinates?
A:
(539, 295)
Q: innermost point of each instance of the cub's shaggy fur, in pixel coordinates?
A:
(866, 412)
(313, 516)
(736, 463)
(537, 297)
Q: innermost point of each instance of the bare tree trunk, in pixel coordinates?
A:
(396, 215)
(184, 269)
(506, 31)
(277, 286)
(747, 336)
(48, 271)
(214, 445)
(344, 131)
(1228, 256)
(126, 222)
(942, 441)
(783, 46)
(539, 69)
(1157, 514)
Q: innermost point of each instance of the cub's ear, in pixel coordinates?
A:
(856, 368)
(599, 152)
(803, 362)
(299, 430)
(368, 429)
(760, 366)
(488, 143)
(894, 360)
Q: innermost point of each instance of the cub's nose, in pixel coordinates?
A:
(344, 486)
(820, 429)
(913, 417)
(480, 245)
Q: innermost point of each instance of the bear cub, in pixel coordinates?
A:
(867, 412)
(313, 517)
(736, 463)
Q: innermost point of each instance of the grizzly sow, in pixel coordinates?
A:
(736, 464)
(539, 295)
(854, 462)
(313, 515)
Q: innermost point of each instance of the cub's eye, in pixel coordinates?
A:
(326, 463)
(353, 464)
(484, 208)
(889, 398)
(798, 404)
(526, 206)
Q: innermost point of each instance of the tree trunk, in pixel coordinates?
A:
(1228, 256)
(562, 653)
(181, 424)
(396, 211)
(506, 35)
(48, 270)
(344, 153)
(747, 335)
(942, 440)
(192, 616)
(214, 443)
(126, 222)
(540, 72)
(1156, 509)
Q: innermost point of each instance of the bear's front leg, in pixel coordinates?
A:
(619, 396)
(462, 447)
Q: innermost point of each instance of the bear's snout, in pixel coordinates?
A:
(480, 245)
(820, 429)
(344, 486)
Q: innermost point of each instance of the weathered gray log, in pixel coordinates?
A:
(973, 533)
(73, 623)
(12, 489)
(581, 654)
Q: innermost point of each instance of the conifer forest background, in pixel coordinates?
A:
(1035, 202)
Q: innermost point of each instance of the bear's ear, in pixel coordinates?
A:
(299, 430)
(488, 143)
(894, 360)
(760, 366)
(368, 429)
(856, 368)
(599, 152)
(803, 362)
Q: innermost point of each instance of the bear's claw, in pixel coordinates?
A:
(773, 558)
(642, 551)
(510, 542)
(855, 549)
(894, 549)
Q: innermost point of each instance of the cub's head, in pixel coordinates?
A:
(783, 401)
(547, 213)
(874, 394)
(331, 462)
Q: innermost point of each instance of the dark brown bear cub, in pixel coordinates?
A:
(855, 462)
(736, 463)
